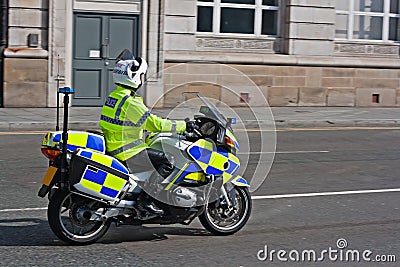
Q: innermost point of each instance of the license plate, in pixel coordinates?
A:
(48, 177)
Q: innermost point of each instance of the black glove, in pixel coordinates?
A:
(190, 126)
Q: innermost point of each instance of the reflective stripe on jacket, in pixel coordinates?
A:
(123, 119)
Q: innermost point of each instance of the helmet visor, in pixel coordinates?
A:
(125, 55)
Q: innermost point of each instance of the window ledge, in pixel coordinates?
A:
(367, 49)
(235, 35)
(25, 52)
(239, 43)
(279, 59)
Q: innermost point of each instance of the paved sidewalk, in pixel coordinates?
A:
(41, 119)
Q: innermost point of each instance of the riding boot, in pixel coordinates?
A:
(147, 204)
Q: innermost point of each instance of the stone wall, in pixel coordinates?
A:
(25, 82)
(311, 27)
(179, 25)
(28, 17)
(58, 51)
(285, 85)
(305, 66)
(25, 64)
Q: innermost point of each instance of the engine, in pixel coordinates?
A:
(184, 197)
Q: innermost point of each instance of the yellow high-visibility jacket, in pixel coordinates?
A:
(123, 119)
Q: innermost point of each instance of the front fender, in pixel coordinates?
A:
(240, 181)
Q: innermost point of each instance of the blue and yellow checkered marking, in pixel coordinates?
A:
(102, 182)
(104, 160)
(191, 168)
(190, 171)
(212, 160)
(82, 140)
(240, 181)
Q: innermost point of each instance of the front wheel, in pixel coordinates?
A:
(220, 219)
(69, 218)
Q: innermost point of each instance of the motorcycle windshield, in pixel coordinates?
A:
(209, 109)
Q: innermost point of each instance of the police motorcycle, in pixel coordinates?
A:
(89, 189)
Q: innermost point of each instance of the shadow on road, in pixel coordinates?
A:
(145, 233)
(36, 232)
(25, 232)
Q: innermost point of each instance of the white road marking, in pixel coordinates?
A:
(327, 194)
(373, 191)
(22, 133)
(284, 152)
(25, 209)
(338, 128)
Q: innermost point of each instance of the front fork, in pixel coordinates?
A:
(229, 197)
(228, 192)
(225, 194)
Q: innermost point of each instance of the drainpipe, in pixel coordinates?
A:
(3, 43)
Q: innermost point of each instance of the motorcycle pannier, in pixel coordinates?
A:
(76, 140)
(97, 174)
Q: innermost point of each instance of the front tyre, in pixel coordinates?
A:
(69, 218)
(220, 219)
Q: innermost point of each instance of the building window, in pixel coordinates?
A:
(368, 20)
(256, 17)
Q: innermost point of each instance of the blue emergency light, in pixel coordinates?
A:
(232, 120)
(66, 90)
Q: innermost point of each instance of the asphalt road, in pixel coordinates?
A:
(286, 215)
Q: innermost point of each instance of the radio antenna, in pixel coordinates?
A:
(58, 99)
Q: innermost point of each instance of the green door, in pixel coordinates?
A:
(98, 39)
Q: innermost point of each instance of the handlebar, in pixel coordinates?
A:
(192, 128)
(194, 134)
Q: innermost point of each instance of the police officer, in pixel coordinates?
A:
(124, 118)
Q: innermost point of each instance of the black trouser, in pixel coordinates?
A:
(150, 159)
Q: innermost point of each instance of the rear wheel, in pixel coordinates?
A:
(69, 218)
(220, 219)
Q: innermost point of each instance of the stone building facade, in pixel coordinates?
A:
(25, 53)
(295, 52)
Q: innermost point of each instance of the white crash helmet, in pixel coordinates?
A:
(128, 70)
